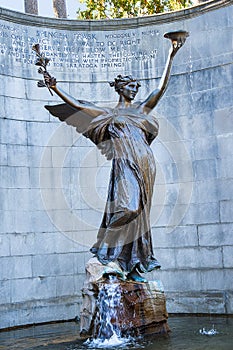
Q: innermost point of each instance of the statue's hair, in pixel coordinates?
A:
(121, 81)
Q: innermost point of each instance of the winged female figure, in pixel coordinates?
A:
(124, 134)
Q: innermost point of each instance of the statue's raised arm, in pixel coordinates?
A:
(178, 39)
(77, 113)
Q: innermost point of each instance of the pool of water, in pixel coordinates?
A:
(185, 335)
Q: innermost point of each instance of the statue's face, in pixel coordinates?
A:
(130, 90)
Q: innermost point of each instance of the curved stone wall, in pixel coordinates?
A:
(53, 181)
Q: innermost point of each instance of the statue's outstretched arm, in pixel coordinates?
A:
(155, 96)
(89, 107)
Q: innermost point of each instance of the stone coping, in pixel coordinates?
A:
(115, 24)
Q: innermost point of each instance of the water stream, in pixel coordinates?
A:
(106, 327)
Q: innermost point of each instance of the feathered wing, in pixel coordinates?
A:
(80, 118)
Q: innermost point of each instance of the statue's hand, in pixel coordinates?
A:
(49, 81)
(177, 44)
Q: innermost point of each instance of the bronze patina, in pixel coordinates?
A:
(123, 134)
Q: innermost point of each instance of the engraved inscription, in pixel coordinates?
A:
(74, 50)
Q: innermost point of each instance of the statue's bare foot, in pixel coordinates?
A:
(135, 276)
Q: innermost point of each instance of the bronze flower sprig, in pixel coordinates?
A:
(42, 62)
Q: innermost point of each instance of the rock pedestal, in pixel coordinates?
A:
(142, 307)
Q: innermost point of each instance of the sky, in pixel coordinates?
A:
(45, 7)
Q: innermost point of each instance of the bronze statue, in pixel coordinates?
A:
(124, 135)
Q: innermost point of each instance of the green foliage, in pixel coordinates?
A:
(101, 9)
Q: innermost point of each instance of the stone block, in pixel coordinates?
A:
(67, 221)
(225, 144)
(79, 265)
(85, 157)
(26, 110)
(49, 177)
(202, 101)
(5, 293)
(197, 302)
(13, 86)
(78, 283)
(91, 217)
(166, 257)
(23, 221)
(7, 221)
(39, 156)
(20, 316)
(206, 191)
(202, 213)
(2, 107)
(217, 279)
(55, 200)
(16, 267)
(223, 121)
(226, 211)
(13, 132)
(229, 302)
(199, 81)
(173, 106)
(64, 243)
(225, 189)
(53, 264)
(215, 235)
(60, 156)
(198, 126)
(47, 242)
(34, 176)
(66, 309)
(167, 194)
(196, 258)
(4, 245)
(205, 148)
(204, 169)
(33, 289)
(87, 238)
(65, 285)
(24, 199)
(183, 82)
(178, 280)
(179, 150)
(166, 173)
(22, 244)
(41, 134)
(161, 214)
(228, 258)
(87, 197)
(220, 97)
(4, 199)
(224, 167)
(17, 155)
(221, 77)
(3, 155)
(14, 177)
(43, 221)
(180, 236)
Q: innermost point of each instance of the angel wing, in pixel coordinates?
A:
(79, 117)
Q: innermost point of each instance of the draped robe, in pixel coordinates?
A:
(124, 135)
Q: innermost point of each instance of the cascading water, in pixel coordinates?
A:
(107, 331)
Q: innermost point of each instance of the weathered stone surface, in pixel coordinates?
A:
(143, 305)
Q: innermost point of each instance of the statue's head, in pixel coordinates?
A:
(126, 86)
